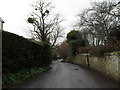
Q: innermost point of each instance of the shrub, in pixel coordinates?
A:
(74, 44)
(84, 49)
(96, 50)
(114, 38)
(75, 40)
(100, 50)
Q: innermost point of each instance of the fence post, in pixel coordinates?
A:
(88, 60)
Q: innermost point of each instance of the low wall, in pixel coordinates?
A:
(108, 64)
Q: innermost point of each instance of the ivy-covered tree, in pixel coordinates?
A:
(75, 40)
(73, 35)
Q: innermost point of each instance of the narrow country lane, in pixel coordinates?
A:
(65, 75)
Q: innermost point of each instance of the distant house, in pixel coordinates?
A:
(1, 24)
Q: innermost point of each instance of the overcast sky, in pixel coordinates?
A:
(16, 12)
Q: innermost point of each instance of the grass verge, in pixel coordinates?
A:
(11, 79)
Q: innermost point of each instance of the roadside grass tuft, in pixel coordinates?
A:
(11, 79)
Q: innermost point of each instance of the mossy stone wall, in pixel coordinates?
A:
(108, 64)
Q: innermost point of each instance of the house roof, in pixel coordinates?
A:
(1, 20)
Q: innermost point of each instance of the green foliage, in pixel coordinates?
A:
(14, 78)
(19, 53)
(69, 59)
(114, 37)
(30, 20)
(46, 54)
(74, 44)
(73, 35)
(47, 11)
(74, 38)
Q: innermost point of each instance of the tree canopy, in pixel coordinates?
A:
(75, 40)
(99, 21)
(73, 35)
(46, 24)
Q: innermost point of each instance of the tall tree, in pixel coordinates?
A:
(75, 40)
(46, 24)
(98, 21)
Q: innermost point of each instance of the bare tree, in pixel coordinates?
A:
(56, 35)
(45, 22)
(98, 22)
(63, 50)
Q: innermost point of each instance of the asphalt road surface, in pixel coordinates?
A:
(65, 75)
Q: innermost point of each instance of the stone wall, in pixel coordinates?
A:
(108, 64)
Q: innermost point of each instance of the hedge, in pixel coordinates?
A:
(19, 53)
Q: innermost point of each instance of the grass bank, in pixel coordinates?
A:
(12, 79)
